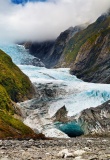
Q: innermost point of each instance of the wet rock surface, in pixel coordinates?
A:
(77, 148)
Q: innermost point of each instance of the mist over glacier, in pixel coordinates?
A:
(40, 21)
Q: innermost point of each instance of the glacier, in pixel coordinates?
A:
(55, 88)
(77, 96)
(17, 52)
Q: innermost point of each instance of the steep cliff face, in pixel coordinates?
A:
(96, 121)
(50, 52)
(60, 45)
(88, 52)
(41, 50)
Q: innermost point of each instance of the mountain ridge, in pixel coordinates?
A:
(84, 50)
(92, 59)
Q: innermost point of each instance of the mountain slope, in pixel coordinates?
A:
(50, 52)
(60, 44)
(17, 84)
(14, 85)
(88, 52)
(41, 50)
(85, 51)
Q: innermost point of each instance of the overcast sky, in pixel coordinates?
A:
(45, 20)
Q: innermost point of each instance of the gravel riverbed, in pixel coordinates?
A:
(86, 149)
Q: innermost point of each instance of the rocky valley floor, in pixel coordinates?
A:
(70, 149)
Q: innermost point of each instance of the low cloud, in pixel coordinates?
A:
(42, 21)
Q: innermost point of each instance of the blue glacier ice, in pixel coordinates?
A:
(75, 95)
(72, 129)
(17, 52)
(78, 95)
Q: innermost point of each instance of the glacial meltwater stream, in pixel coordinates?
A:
(56, 88)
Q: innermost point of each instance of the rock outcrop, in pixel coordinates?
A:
(90, 122)
(95, 121)
(61, 115)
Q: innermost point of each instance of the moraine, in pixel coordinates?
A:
(55, 88)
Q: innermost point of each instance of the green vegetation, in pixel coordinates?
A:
(11, 127)
(14, 86)
(5, 102)
(87, 36)
(17, 84)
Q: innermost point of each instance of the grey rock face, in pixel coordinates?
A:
(50, 52)
(41, 50)
(61, 115)
(33, 62)
(92, 57)
(94, 64)
(60, 44)
(95, 121)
